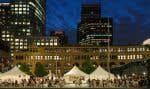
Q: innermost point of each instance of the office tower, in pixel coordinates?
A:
(62, 38)
(93, 29)
(5, 16)
(28, 17)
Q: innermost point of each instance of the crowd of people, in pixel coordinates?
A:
(124, 82)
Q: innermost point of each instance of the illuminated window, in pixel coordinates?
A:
(42, 44)
(21, 43)
(46, 43)
(16, 9)
(16, 43)
(38, 43)
(8, 39)
(28, 23)
(55, 43)
(28, 34)
(16, 39)
(3, 35)
(51, 44)
(21, 47)
(20, 12)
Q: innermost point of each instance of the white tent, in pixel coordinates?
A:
(14, 74)
(101, 74)
(75, 74)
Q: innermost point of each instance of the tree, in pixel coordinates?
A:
(40, 71)
(87, 66)
(25, 68)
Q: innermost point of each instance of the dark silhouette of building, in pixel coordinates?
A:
(61, 37)
(94, 29)
(90, 12)
(5, 60)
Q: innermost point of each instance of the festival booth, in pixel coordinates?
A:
(14, 74)
(75, 74)
(101, 74)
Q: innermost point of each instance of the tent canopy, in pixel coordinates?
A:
(75, 71)
(14, 74)
(101, 74)
(75, 74)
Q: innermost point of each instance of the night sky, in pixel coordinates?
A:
(131, 18)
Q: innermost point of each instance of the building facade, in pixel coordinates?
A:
(94, 29)
(28, 17)
(62, 59)
(21, 20)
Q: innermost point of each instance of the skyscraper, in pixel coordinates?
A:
(94, 29)
(28, 17)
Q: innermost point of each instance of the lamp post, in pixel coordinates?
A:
(108, 55)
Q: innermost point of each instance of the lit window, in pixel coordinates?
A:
(21, 43)
(16, 39)
(28, 23)
(20, 12)
(21, 47)
(55, 43)
(24, 5)
(42, 44)
(16, 9)
(20, 9)
(25, 47)
(16, 23)
(46, 43)
(23, 29)
(3, 35)
(51, 44)
(24, 9)
(31, 57)
(28, 34)
(16, 43)
(8, 39)
(16, 5)
(8, 35)
(12, 54)
(38, 43)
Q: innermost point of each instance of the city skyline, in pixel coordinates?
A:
(130, 18)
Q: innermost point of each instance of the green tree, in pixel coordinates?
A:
(25, 68)
(40, 71)
(87, 66)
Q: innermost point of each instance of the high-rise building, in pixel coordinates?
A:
(93, 29)
(28, 17)
(5, 16)
(22, 19)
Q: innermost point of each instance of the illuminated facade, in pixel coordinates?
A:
(28, 17)
(5, 15)
(21, 20)
(93, 29)
(64, 58)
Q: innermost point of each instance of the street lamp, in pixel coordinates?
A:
(108, 56)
